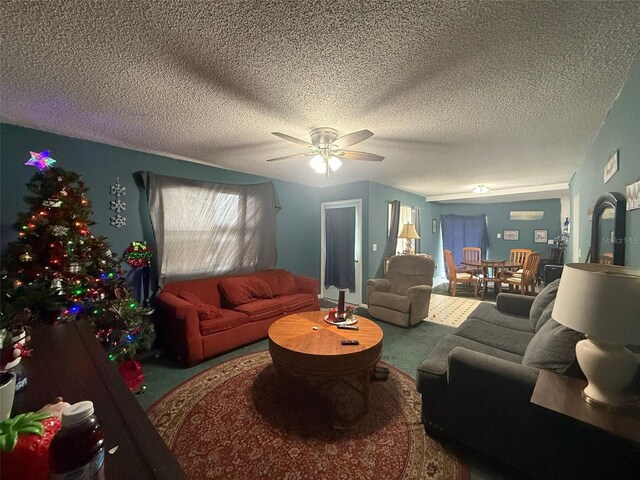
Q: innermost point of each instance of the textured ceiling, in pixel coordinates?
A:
(508, 94)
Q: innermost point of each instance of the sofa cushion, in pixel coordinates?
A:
(261, 309)
(392, 301)
(204, 310)
(241, 290)
(489, 313)
(281, 282)
(436, 362)
(547, 295)
(297, 302)
(228, 319)
(553, 347)
(495, 336)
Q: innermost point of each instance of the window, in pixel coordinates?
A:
(406, 216)
(205, 229)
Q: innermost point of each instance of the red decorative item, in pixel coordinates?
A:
(138, 255)
(131, 371)
(28, 457)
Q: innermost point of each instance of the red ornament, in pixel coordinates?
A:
(138, 254)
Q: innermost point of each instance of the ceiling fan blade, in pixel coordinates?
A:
(288, 157)
(353, 155)
(291, 139)
(352, 138)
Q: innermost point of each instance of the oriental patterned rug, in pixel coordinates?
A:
(240, 420)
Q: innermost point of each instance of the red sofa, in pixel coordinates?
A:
(201, 318)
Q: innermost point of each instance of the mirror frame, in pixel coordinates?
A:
(616, 201)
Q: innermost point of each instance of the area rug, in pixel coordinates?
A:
(240, 420)
(451, 311)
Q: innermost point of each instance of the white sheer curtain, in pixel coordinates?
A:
(205, 229)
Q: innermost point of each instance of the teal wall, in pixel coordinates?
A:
(498, 221)
(621, 130)
(298, 222)
(379, 198)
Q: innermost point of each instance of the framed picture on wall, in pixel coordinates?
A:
(611, 166)
(434, 226)
(540, 236)
(633, 196)
(511, 234)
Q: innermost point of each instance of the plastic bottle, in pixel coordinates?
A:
(77, 449)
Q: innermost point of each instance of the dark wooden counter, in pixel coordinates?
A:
(69, 362)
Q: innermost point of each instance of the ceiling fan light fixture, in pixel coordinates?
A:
(318, 164)
(334, 163)
(481, 189)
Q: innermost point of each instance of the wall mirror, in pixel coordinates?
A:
(608, 229)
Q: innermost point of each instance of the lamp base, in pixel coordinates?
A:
(609, 369)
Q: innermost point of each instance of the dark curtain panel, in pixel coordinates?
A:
(339, 267)
(460, 231)
(415, 213)
(392, 238)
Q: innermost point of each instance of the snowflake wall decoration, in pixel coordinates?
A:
(117, 205)
(118, 190)
(118, 221)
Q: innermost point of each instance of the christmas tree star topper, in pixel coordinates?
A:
(41, 160)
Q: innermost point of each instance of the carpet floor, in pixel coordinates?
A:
(404, 348)
(242, 420)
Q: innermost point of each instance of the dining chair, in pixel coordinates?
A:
(606, 258)
(458, 278)
(492, 272)
(474, 255)
(517, 255)
(471, 254)
(529, 275)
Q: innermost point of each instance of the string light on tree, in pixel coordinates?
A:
(77, 270)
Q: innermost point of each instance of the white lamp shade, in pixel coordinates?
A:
(602, 301)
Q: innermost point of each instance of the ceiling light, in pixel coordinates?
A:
(481, 189)
(334, 163)
(318, 164)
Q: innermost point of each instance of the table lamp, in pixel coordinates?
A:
(603, 302)
(409, 233)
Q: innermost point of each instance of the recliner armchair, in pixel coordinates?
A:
(403, 297)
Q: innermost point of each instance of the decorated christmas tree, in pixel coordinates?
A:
(56, 251)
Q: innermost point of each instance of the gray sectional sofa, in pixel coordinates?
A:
(476, 386)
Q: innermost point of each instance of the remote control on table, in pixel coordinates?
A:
(348, 327)
(350, 342)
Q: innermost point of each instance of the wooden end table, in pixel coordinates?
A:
(305, 345)
(562, 394)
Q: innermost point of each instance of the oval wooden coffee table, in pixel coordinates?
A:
(299, 349)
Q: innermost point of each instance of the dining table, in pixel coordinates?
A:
(475, 267)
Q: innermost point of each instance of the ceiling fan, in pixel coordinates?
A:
(327, 150)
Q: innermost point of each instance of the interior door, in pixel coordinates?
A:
(330, 292)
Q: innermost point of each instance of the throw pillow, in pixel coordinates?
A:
(553, 347)
(541, 302)
(205, 310)
(241, 290)
(545, 316)
(282, 283)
